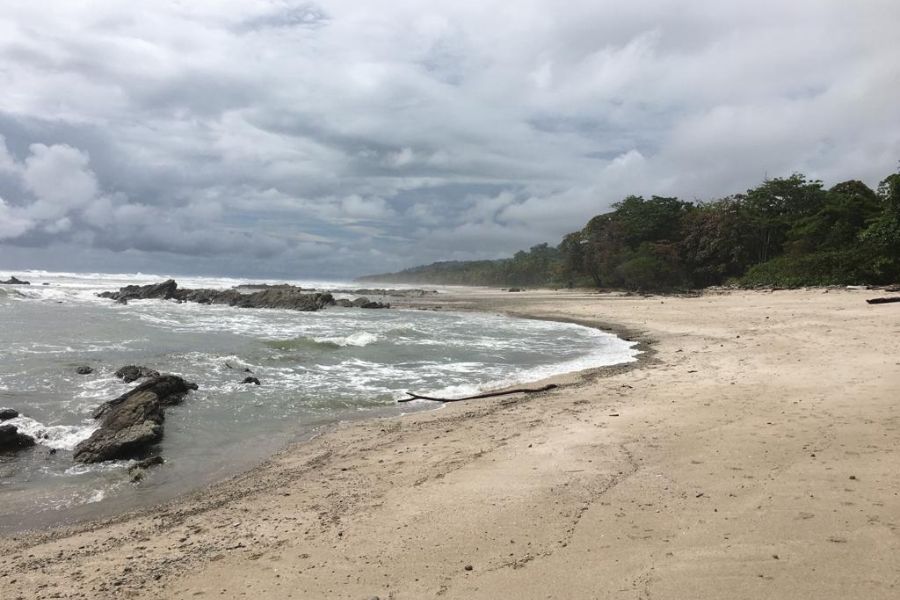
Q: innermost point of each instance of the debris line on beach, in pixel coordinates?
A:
(545, 388)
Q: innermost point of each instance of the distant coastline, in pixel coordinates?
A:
(786, 232)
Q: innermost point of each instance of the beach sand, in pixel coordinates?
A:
(753, 452)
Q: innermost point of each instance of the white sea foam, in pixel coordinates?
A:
(358, 339)
(58, 437)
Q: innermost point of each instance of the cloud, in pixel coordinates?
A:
(12, 225)
(335, 138)
(60, 179)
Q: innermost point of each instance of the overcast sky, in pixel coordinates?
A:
(332, 139)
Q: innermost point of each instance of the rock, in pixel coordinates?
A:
(287, 297)
(264, 286)
(363, 302)
(164, 290)
(8, 413)
(84, 370)
(139, 469)
(131, 373)
(13, 280)
(147, 463)
(251, 380)
(11, 440)
(396, 293)
(343, 303)
(133, 422)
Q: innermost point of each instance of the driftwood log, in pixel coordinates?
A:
(545, 388)
(883, 300)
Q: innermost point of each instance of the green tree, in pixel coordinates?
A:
(882, 237)
(769, 210)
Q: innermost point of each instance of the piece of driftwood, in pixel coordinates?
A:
(883, 300)
(545, 388)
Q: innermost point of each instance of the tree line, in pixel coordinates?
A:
(785, 232)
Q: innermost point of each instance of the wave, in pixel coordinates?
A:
(6, 292)
(58, 437)
(358, 340)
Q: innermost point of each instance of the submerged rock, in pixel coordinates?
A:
(133, 422)
(13, 280)
(131, 373)
(139, 469)
(11, 440)
(84, 370)
(8, 413)
(147, 463)
(251, 380)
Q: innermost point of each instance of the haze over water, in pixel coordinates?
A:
(315, 368)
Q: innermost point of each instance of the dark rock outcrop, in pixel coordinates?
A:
(287, 297)
(360, 303)
(164, 290)
(395, 293)
(84, 370)
(133, 422)
(13, 280)
(12, 440)
(265, 286)
(251, 380)
(364, 302)
(131, 373)
(8, 413)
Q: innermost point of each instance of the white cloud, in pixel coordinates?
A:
(60, 179)
(12, 225)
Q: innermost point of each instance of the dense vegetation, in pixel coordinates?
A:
(784, 232)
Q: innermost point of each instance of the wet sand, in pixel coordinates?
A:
(754, 452)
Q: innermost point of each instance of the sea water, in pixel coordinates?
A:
(315, 368)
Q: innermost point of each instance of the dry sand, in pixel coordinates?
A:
(753, 453)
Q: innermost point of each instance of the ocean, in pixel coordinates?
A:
(315, 369)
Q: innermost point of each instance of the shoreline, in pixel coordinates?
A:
(76, 524)
(681, 479)
(87, 516)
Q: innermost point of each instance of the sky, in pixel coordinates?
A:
(277, 138)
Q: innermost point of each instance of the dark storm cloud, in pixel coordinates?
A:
(335, 138)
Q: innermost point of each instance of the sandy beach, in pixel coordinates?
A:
(753, 452)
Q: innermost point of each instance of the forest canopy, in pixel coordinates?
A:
(785, 232)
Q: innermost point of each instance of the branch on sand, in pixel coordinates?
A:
(883, 300)
(545, 388)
